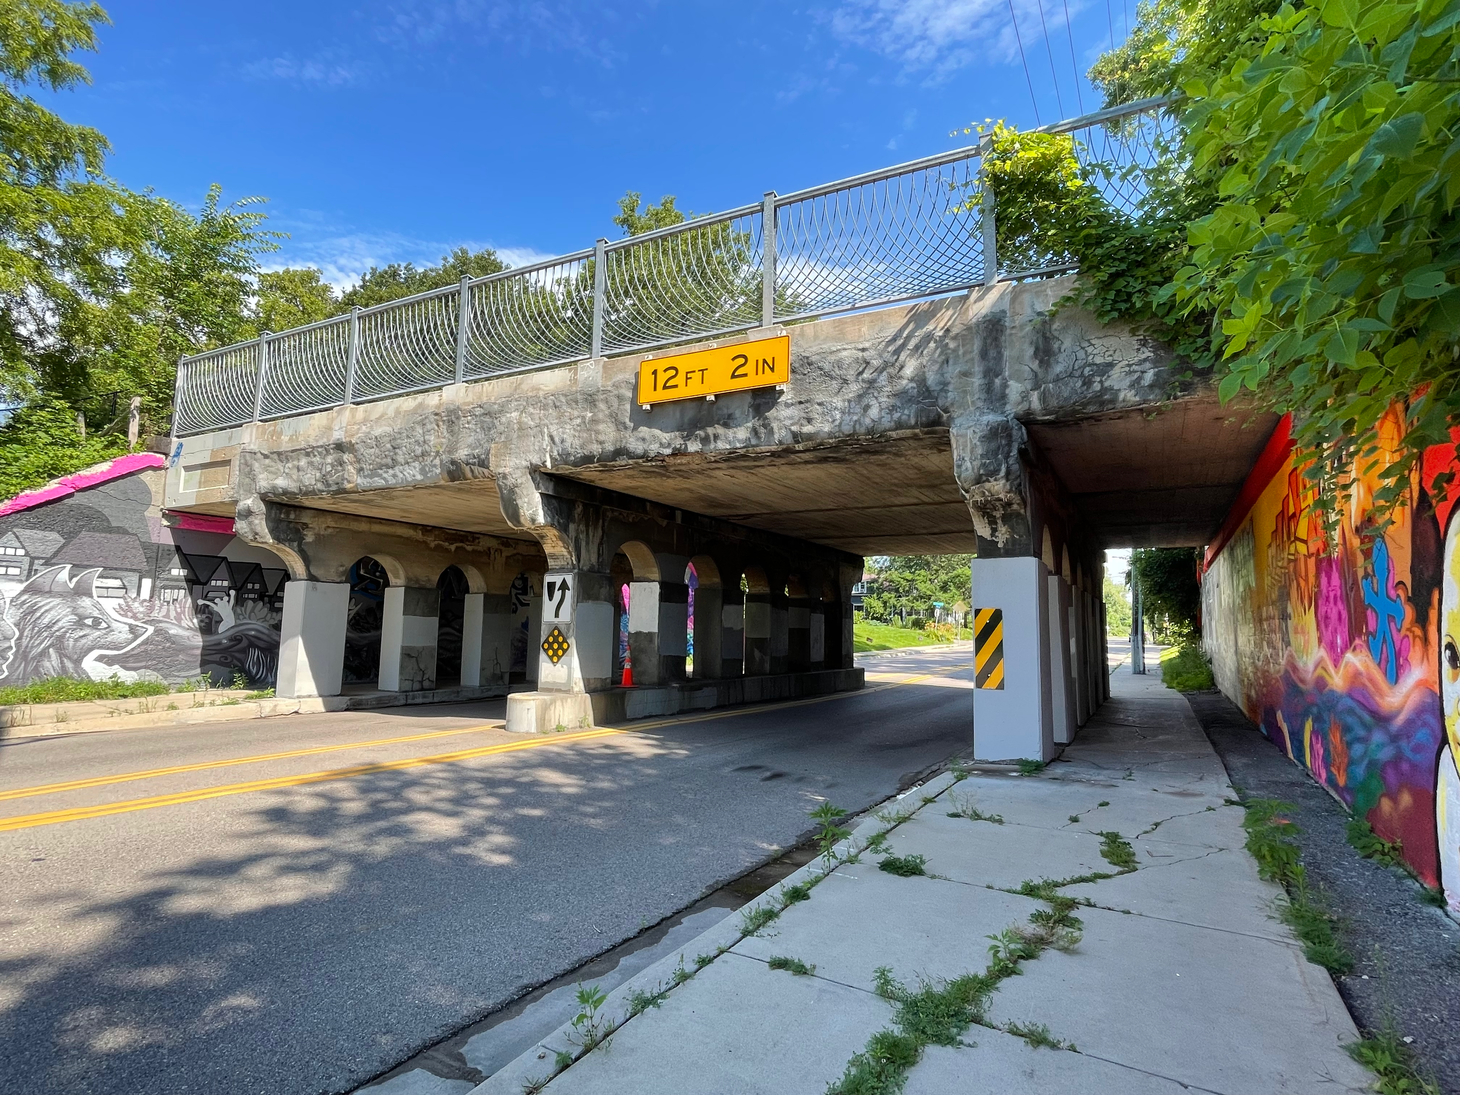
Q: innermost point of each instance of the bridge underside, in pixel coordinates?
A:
(992, 424)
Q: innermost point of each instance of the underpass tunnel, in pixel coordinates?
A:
(364, 619)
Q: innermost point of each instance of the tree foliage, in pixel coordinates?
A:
(1170, 593)
(381, 284)
(911, 586)
(41, 442)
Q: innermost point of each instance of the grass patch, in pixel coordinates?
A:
(801, 891)
(1186, 669)
(1385, 1054)
(791, 965)
(869, 636)
(904, 866)
(1269, 840)
(71, 690)
(1371, 845)
(1116, 851)
(1029, 767)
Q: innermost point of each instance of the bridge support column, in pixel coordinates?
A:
(709, 633)
(486, 641)
(816, 635)
(732, 633)
(644, 619)
(1084, 702)
(780, 646)
(1012, 717)
(1062, 666)
(757, 634)
(408, 639)
(798, 634)
(673, 630)
(312, 638)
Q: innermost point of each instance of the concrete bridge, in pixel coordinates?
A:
(991, 419)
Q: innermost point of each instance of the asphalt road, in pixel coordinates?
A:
(304, 935)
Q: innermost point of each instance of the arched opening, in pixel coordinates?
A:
(756, 653)
(703, 622)
(366, 614)
(452, 588)
(633, 562)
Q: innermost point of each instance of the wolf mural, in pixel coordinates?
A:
(58, 623)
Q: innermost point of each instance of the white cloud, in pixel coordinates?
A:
(342, 259)
(330, 68)
(939, 36)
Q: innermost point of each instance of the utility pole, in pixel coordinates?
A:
(1137, 628)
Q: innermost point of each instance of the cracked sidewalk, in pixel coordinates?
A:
(1183, 977)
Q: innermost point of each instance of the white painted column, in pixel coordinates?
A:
(486, 641)
(818, 636)
(312, 638)
(1014, 719)
(408, 639)
(1079, 655)
(1061, 680)
(534, 637)
(673, 630)
(471, 640)
(587, 627)
(644, 620)
(757, 634)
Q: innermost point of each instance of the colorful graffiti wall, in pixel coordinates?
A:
(97, 581)
(1344, 650)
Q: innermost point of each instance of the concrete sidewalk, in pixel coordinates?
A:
(1181, 977)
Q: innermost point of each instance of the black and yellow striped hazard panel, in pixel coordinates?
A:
(988, 648)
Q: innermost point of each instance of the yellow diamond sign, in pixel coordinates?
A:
(556, 646)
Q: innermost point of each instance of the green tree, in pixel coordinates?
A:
(1117, 608)
(293, 297)
(41, 441)
(381, 284)
(912, 585)
(1170, 593)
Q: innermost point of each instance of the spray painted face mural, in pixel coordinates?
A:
(1447, 782)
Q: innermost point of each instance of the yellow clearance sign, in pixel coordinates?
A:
(734, 368)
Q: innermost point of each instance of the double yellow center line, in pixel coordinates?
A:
(82, 813)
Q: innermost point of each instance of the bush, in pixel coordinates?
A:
(942, 633)
(1186, 669)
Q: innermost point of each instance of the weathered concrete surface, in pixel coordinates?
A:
(905, 428)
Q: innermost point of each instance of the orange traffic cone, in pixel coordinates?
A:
(628, 680)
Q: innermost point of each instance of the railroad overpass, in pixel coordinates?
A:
(501, 428)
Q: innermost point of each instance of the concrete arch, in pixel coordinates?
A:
(828, 593)
(756, 580)
(707, 572)
(476, 582)
(392, 566)
(795, 587)
(641, 559)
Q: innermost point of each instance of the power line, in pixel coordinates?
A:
(1074, 65)
(1024, 61)
(1049, 49)
(1110, 17)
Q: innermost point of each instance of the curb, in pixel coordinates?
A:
(537, 1063)
(900, 651)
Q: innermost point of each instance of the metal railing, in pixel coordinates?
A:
(916, 230)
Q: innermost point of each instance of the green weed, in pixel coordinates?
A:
(904, 866)
(1385, 1054)
(1102, 803)
(1187, 670)
(640, 1001)
(801, 891)
(589, 1028)
(877, 844)
(752, 920)
(1116, 851)
(881, 1068)
(1074, 819)
(1029, 767)
(1037, 1035)
(830, 834)
(1371, 845)
(965, 807)
(790, 965)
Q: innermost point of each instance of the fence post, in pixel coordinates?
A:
(986, 204)
(600, 294)
(768, 260)
(178, 384)
(353, 355)
(463, 326)
(258, 391)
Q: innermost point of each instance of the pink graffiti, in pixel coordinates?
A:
(1334, 627)
(70, 484)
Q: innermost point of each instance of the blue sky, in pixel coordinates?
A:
(392, 131)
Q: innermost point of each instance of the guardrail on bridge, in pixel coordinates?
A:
(903, 233)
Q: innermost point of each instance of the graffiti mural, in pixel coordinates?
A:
(97, 581)
(1342, 647)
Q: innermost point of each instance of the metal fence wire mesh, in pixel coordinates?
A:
(904, 233)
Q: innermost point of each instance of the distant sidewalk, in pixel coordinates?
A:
(1098, 927)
